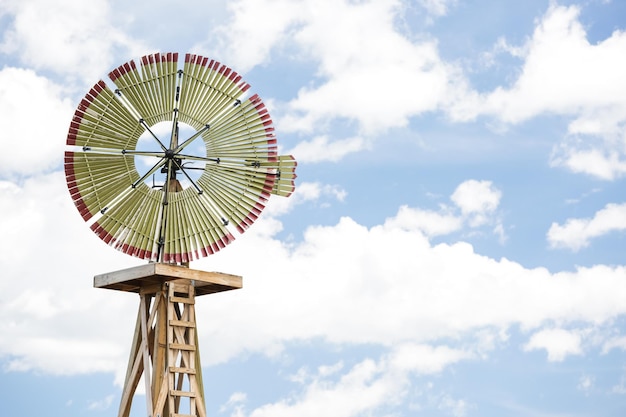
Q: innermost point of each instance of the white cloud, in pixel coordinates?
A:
(437, 7)
(429, 222)
(458, 408)
(320, 149)
(425, 359)
(614, 343)
(606, 164)
(385, 285)
(564, 74)
(36, 119)
(235, 403)
(576, 234)
(367, 71)
(477, 200)
(242, 41)
(78, 41)
(101, 405)
(362, 77)
(620, 388)
(386, 86)
(305, 192)
(46, 244)
(586, 383)
(367, 381)
(559, 343)
(375, 383)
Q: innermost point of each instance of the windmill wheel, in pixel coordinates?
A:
(206, 153)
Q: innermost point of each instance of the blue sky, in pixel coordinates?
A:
(455, 244)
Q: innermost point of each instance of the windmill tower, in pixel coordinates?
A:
(161, 167)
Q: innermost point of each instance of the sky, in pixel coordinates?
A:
(454, 246)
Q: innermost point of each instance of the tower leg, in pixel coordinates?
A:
(165, 352)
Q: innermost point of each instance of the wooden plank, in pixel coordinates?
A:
(159, 360)
(183, 300)
(181, 323)
(181, 370)
(160, 403)
(143, 307)
(178, 393)
(137, 278)
(134, 371)
(180, 346)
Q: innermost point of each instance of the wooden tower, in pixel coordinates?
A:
(165, 348)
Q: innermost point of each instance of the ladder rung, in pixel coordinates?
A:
(185, 288)
(179, 370)
(181, 346)
(182, 323)
(177, 393)
(183, 300)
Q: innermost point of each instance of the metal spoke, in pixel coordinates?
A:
(152, 170)
(191, 139)
(184, 171)
(143, 123)
(198, 158)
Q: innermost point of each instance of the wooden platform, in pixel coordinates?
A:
(154, 275)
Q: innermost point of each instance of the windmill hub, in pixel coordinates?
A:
(170, 154)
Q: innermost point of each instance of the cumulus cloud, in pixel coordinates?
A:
(37, 116)
(42, 233)
(377, 383)
(306, 192)
(565, 74)
(437, 7)
(345, 283)
(586, 383)
(576, 234)
(431, 223)
(614, 343)
(603, 163)
(385, 87)
(477, 200)
(79, 40)
(558, 57)
(359, 77)
(395, 287)
(320, 149)
(101, 405)
(559, 343)
(244, 43)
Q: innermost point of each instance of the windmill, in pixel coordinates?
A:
(162, 167)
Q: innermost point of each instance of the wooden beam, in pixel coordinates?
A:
(155, 274)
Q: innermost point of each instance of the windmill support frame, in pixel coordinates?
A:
(165, 349)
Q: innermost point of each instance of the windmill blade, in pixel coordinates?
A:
(101, 121)
(208, 88)
(95, 180)
(151, 93)
(131, 225)
(285, 184)
(170, 223)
